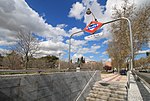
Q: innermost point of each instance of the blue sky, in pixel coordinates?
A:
(57, 13)
(52, 22)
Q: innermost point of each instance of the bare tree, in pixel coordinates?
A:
(27, 45)
(119, 48)
(12, 61)
(1, 59)
(92, 65)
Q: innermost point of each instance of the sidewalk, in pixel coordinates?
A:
(134, 92)
(112, 87)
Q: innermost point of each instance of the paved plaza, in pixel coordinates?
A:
(113, 87)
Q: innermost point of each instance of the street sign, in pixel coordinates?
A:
(93, 27)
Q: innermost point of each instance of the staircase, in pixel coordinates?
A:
(107, 91)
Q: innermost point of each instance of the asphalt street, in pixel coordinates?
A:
(145, 91)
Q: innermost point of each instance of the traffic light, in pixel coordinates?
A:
(147, 53)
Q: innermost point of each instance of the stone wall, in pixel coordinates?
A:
(46, 87)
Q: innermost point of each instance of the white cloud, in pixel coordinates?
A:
(76, 56)
(50, 45)
(22, 17)
(75, 29)
(107, 41)
(7, 37)
(94, 37)
(61, 26)
(109, 59)
(3, 52)
(105, 53)
(91, 57)
(16, 15)
(42, 53)
(77, 47)
(106, 60)
(100, 14)
(143, 51)
(77, 42)
(81, 51)
(95, 8)
(6, 43)
(77, 10)
(94, 48)
(51, 48)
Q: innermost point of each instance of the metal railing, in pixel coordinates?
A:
(85, 87)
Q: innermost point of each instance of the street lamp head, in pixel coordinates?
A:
(88, 12)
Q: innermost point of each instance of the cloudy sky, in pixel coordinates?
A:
(52, 22)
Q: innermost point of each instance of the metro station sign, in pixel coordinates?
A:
(93, 27)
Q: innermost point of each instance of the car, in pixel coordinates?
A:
(123, 72)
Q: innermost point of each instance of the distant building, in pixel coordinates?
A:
(107, 65)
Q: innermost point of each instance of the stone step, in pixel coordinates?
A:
(101, 89)
(90, 99)
(104, 98)
(118, 96)
(115, 99)
(101, 95)
(119, 92)
(118, 88)
(107, 92)
(94, 99)
(100, 92)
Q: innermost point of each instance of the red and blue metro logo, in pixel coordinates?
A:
(93, 27)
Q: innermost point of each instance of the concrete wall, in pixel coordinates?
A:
(46, 87)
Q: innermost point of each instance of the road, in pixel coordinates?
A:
(145, 76)
(145, 91)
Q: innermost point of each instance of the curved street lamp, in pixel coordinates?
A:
(88, 12)
(131, 39)
(95, 25)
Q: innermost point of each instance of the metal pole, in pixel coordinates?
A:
(70, 43)
(59, 61)
(131, 44)
(131, 37)
(132, 53)
(88, 12)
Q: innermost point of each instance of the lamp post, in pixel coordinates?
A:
(59, 61)
(131, 37)
(70, 43)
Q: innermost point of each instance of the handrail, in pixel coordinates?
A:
(86, 86)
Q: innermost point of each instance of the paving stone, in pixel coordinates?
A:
(109, 92)
(121, 92)
(90, 99)
(115, 99)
